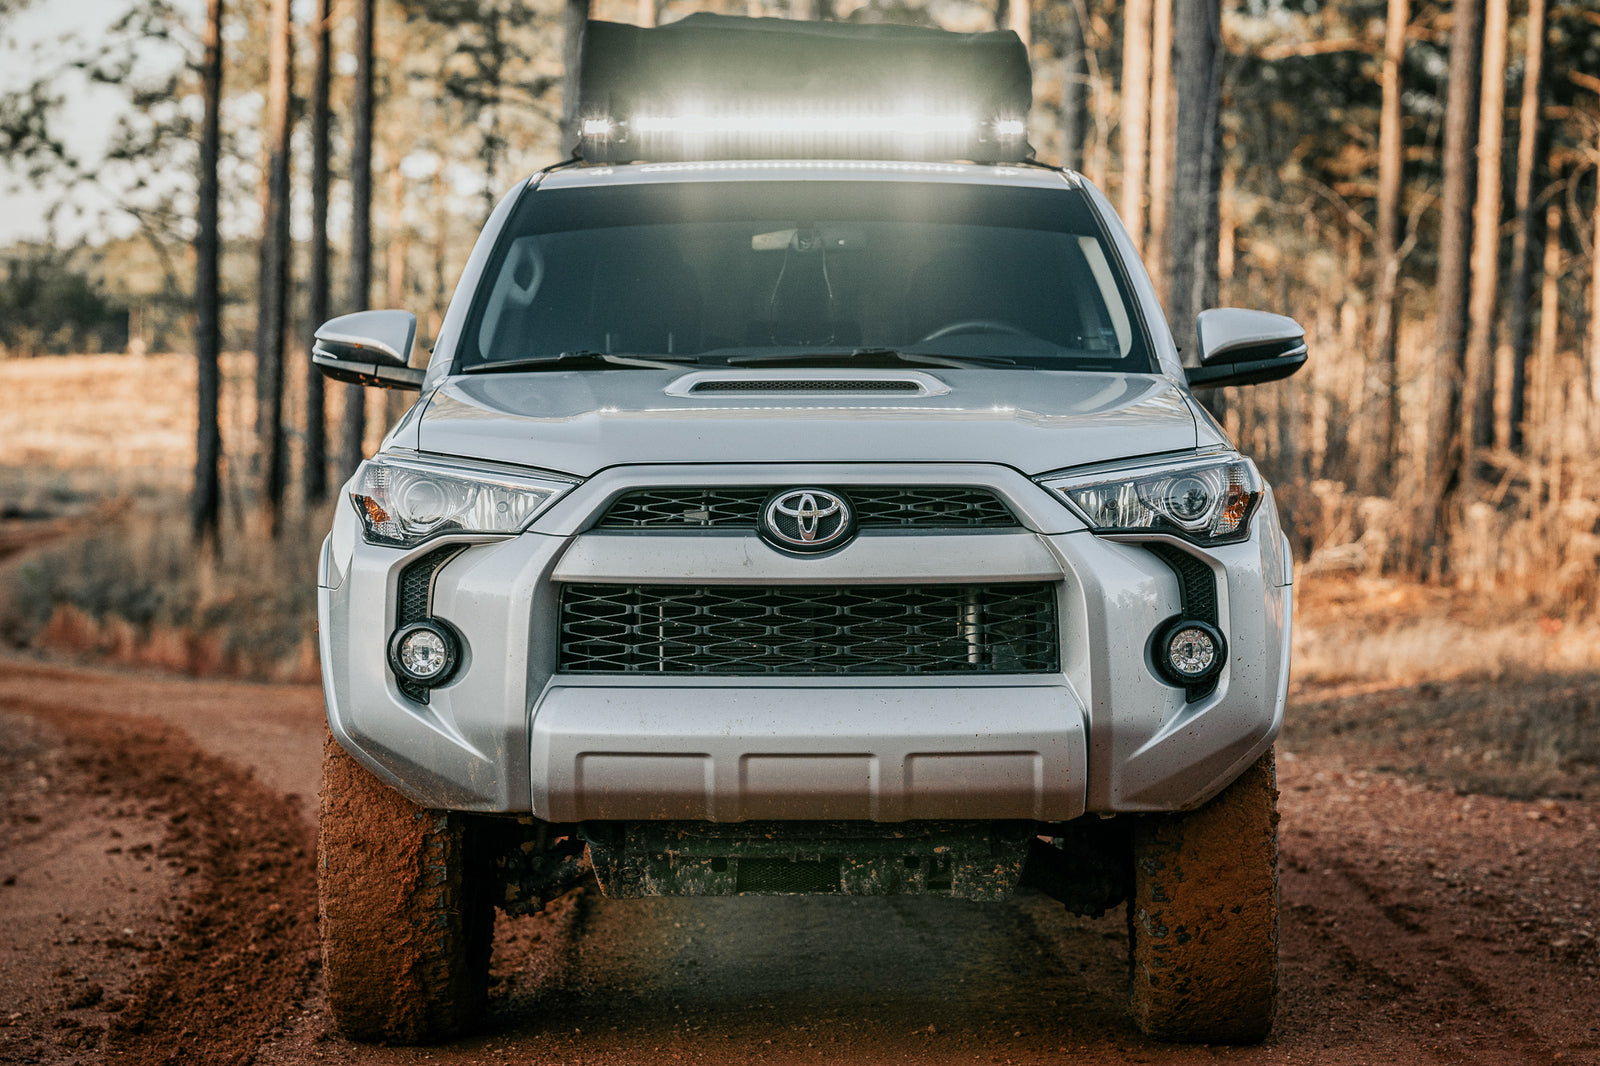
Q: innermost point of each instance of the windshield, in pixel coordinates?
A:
(751, 271)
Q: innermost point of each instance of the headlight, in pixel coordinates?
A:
(1208, 502)
(403, 502)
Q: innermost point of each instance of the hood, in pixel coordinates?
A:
(580, 422)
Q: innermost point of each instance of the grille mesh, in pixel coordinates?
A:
(752, 631)
(876, 507)
(1197, 585)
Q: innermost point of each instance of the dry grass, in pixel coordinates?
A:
(1378, 629)
(1477, 692)
(100, 449)
(134, 589)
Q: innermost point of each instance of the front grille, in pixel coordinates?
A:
(811, 631)
(876, 507)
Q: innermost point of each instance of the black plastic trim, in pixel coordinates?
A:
(1197, 600)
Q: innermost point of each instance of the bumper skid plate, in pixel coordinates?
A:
(980, 861)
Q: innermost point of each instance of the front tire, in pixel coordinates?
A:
(407, 922)
(1203, 921)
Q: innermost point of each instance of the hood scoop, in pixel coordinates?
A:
(832, 382)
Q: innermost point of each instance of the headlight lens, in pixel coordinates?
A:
(403, 502)
(1207, 502)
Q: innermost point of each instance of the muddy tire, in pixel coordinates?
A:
(1203, 921)
(406, 919)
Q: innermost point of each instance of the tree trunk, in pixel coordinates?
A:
(355, 408)
(1530, 131)
(1135, 114)
(492, 61)
(394, 260)
(1594, 317)
(273, 282)
(206, 504)
(1074, 86)
(314, 472)
(576, 13)
(1479, 408)
(1549, 338)
(1019, 20)
(1195, 229)
(441, 249)
(1160, 143)
(1443, 465)
(397, 250)
(1381, 444)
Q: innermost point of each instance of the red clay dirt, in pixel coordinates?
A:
(156, 878)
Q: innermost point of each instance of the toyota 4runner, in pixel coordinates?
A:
(781, 517)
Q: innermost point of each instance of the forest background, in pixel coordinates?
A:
(1413, 180)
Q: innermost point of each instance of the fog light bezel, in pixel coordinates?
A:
(453, 646)
(1161, 658)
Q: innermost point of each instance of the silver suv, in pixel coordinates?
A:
(828, 525)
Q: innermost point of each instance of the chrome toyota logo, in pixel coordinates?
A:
(807, 520)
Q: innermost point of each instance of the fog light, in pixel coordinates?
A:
(1188, 652)
(426, 652)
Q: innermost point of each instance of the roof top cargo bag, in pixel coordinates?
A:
(720, 86)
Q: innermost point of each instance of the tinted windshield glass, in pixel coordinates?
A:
(737, 269)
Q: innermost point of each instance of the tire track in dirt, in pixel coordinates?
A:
(1408, 960)
(242, 952)
(1369, 891)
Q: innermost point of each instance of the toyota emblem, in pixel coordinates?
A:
(807, 520)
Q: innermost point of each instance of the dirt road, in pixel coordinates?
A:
(156, 881)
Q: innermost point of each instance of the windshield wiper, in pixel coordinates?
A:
(859, 356)
(580, 360)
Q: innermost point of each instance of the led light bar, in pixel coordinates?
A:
(724, 87)
(779, 124)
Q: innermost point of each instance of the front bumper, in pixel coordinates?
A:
(511, 733)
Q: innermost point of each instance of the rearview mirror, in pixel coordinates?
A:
(1239, 347)
(369, 348)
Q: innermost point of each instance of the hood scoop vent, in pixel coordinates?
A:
(792, 382)
(781, 385)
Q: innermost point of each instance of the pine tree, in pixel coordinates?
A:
(1530, 140)
(1479, 407)
(1135, 114)
(273, 279)
(314, 470)
(1382, 441)
(1198, 74)
(1443, 466)
(355, 411)
(206, 503)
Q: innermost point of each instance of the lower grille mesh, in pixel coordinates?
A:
(868, 629)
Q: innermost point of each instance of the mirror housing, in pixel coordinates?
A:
(1239, 347)
(369, 348)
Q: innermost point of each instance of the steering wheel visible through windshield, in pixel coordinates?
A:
(756, 271)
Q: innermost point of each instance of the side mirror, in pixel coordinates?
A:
(1239, 347)
(369, 348)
